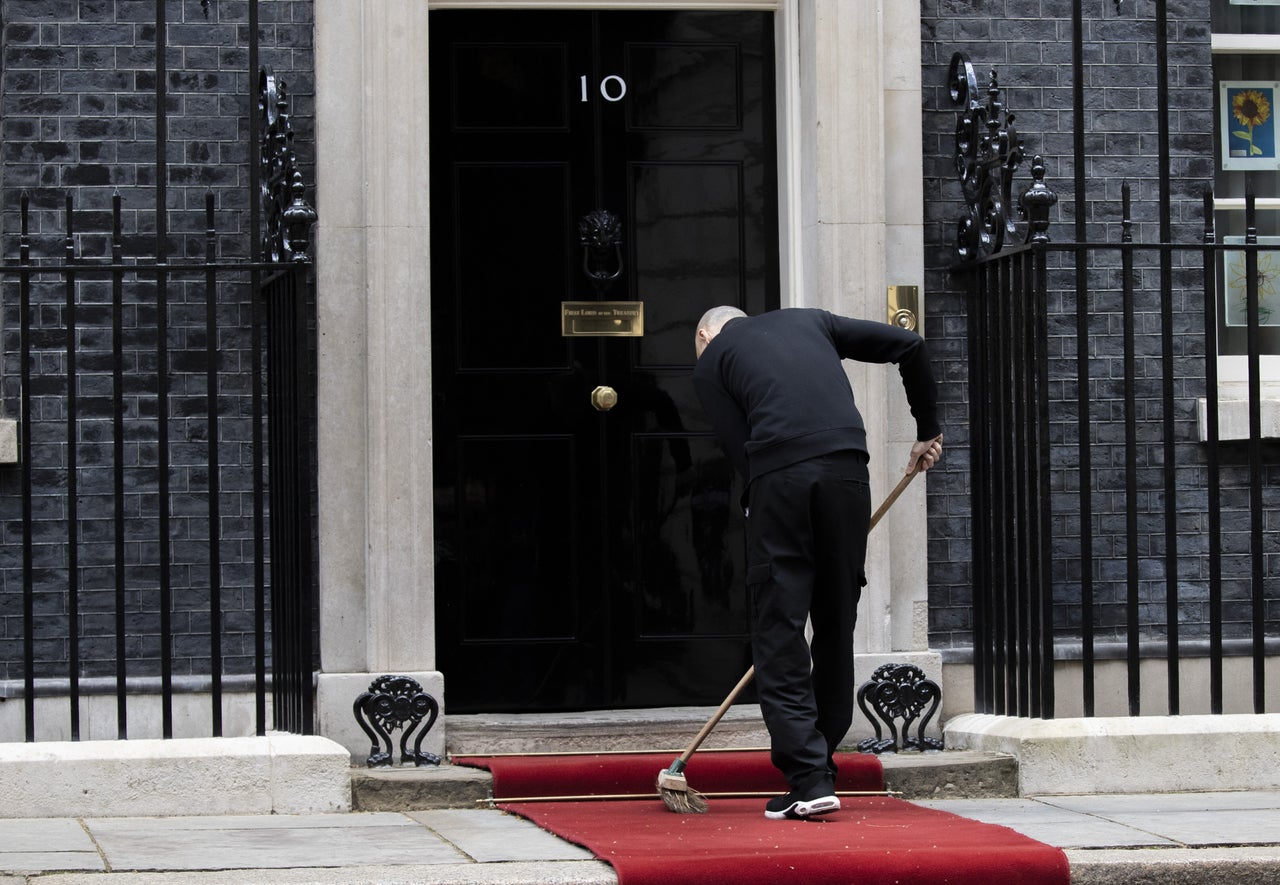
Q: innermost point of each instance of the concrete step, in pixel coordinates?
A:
(928, 775)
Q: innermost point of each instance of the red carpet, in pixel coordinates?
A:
(710, 771)
(870, 841)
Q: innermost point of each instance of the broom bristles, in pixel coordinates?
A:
(676, 794)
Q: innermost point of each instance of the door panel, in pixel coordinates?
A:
(684, 86)
(687, 249)
(586, 558)
(488, 276)
(518, 526)
(506, 87)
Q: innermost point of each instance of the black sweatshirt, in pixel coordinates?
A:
(776, 392)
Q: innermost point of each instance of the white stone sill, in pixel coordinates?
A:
(1233, 418)
(8, 441)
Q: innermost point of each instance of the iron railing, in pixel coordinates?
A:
(291, 422)
(1070, 411)
(159, 399)
(85, 390)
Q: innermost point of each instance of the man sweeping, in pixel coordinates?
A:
(775, 391)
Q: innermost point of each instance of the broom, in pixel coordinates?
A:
(672, 786)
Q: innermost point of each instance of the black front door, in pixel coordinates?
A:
(590, 558)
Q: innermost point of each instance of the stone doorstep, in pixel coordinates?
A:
(931, 775)
(1137, 754)
(653, 730)
(274, 774)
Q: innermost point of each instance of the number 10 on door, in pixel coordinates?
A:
(612, 88)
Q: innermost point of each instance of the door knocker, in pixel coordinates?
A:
(600, 235)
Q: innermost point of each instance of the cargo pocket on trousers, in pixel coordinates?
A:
(758, 577)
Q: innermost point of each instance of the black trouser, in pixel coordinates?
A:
(806, 550)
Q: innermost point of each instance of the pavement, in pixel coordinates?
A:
(1167, 838)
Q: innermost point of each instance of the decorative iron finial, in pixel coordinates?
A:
(988, 153)
(296, 220)
(287, 215)
(1036, 202)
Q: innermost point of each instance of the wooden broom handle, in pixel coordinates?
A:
(751, 671)
(718, 715)
(893, 496)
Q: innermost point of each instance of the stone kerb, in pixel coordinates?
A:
(278, 773)
(1144, 754)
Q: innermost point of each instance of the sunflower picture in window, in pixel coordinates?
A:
(1248, 124)
(1236, 277)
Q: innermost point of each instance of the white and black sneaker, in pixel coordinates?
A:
(799, 804)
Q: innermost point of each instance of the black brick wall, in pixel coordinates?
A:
(1028, 42)
(79, 116)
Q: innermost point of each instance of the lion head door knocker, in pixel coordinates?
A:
(396, 702)
(600, 235)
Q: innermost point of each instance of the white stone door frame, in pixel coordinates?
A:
(850, 202)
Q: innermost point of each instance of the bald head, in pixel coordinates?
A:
(711, 323)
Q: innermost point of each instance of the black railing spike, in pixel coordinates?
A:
(1209, 234)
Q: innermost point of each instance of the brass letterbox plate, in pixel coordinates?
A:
(624, 319)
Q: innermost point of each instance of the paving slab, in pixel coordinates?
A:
(570, 873)
(47, 844)
(499, 838)
(44, 834)
(1061, 827)
(1226, 800)
(268, 841)
(1191, 819)
(1197, 828)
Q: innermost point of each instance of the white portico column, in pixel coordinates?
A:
(860, 214)
(373, 312)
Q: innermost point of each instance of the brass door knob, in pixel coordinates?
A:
(604, 398)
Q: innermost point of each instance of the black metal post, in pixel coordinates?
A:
(28, 588)
(1254, 336)
(257, 321)
(215, 490)
(1044, 510)
(162, 377)
(1212, 472)
(1167, 389)
(117, 419)
(1130, 460)
(73, 494)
